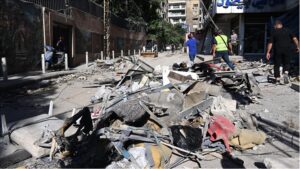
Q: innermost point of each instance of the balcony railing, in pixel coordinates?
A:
(176, 15)
(177, 8)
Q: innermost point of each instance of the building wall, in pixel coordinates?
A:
(21, 35)
(178, 8)
(25, 28)
(192, 14)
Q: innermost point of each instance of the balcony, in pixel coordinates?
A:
(175, 8)
(177, 22)
(176, 15)
(177, 2)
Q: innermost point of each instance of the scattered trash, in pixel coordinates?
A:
(141, 118)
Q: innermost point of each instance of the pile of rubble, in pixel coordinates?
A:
(151, 114)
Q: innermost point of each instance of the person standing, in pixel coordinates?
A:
(173, 48)
(234, 42)
(221, 48)
(60, 45)
(281, 42)
(191, 43)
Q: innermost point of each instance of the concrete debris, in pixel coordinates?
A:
(82, 78)
(224, 107)
(35, 132)
(261, 79)
(277, 163)
(102, 93)
(139, 155)
(182, 76)
(161, 109)
(296, 86)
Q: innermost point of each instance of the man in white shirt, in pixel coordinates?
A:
(234, 42)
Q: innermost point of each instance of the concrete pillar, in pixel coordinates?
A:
(4, 68)
(241, 34)
(4, 128)
(43, 63)
(66, 62)
(87, 59)
(128, 52)
(3, 124)
(134, 52)
(139, 52)
(113, 55)
(50, 112)
(102, 55)
(122, 53)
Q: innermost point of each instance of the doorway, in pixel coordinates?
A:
(255, 39)
(64, 31)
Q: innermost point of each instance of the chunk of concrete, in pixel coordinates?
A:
(210, 89)
(193, 98)
(261, 79)
(13, 156)
(295, 86)
(278, 163)
(32, 131)
(225, 107)
(183, 76)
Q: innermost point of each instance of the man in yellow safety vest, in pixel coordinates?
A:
(221, 48)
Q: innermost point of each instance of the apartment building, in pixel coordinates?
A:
(187, 13)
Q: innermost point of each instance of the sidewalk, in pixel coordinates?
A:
(23, 79)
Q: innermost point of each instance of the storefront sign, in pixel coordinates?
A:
(253, 6)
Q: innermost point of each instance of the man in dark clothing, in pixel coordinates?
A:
(60, 45)
(281, 41)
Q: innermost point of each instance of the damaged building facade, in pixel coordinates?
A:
(27, 26)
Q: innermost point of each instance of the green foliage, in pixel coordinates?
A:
(136, 11)
(166, 33)
(145, 12)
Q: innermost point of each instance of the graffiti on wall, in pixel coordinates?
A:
(259, 4)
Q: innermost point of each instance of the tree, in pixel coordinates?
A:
(166, 33)
(144, 12)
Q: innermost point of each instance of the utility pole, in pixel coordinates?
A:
(126, 7)
(107, 28)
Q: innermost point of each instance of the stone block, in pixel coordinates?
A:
(296, 86)
(32, 131)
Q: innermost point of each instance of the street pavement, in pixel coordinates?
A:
(279, 103)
